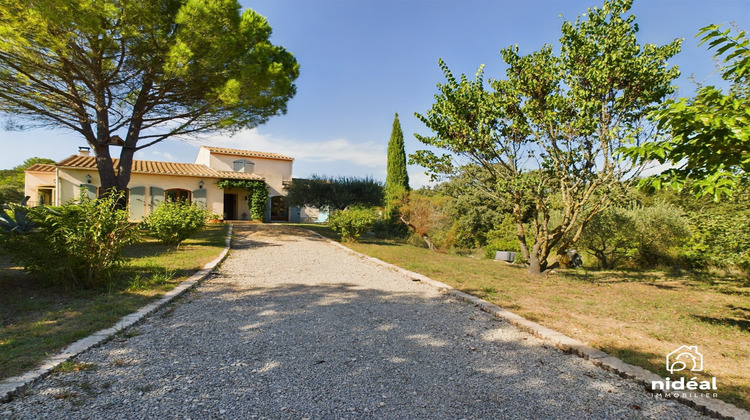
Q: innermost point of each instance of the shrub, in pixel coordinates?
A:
(334, 193)
(659, 229)
(77, 244)
(174, 221)
(719, 237)
(422, 214)
(352, 222)
(608, 236)
(502, 238)
(646, 236)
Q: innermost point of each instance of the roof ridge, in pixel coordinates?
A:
(157, 167)
(244, 152)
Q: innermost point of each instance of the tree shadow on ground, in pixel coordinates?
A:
(341, 350)
(667, 280)
(733, 393)
(742, 324)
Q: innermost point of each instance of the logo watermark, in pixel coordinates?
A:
(685, 358)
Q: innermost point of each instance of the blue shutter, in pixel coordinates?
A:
(199, 196)
(89, 190)
(295, 214)
(157, 196)
(137, 203)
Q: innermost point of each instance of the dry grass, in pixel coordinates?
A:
(637, 316)
(37, 321)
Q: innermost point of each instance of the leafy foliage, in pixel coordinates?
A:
(642, 236)
(352, 222)
(709, 134)
(502, 238)
(12, 180)
(20, 222)
(334, 193)
(719, 232)
(174, 221)
(75, 245)
(147, 70)
(423, 214)
(397, 179)
(547, 135)
(257, 196)
(476, 214)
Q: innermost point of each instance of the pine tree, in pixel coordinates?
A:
(396, 180)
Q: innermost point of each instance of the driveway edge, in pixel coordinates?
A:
(709, 406)
(12, 387)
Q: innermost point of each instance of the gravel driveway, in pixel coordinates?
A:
(293, 327)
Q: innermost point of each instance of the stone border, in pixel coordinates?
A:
(709, 406)
(12, 387)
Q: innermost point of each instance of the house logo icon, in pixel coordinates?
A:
(685, 357)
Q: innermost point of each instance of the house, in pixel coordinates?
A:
(153, 182)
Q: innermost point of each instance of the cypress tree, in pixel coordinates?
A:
(396, 180)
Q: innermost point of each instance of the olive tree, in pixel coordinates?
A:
(134, 73)
(549, 132)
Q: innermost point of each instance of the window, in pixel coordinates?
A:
(44, 196)
(244, 165)
(177, 194)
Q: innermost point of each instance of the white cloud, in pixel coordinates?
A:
(418, 178)
(369, 154)
(163, 156)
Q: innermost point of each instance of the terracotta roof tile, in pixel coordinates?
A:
(240, 152)
(239, 175)
(41, 167)
(159, 168)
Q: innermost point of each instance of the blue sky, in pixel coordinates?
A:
(361, 61)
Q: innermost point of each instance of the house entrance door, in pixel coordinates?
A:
(279, 213)
(230, 206)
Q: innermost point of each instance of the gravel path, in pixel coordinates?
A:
(292, 327)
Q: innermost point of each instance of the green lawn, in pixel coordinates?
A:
(638, 316)
(38, 321)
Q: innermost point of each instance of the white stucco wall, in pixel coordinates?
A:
(69, 181)
(34, 180)
(275, 171)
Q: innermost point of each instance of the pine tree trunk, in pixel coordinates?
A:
(107, 176)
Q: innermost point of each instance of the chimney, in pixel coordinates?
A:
(84, 151)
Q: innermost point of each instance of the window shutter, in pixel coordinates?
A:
(89, 190)
(157, 196)
(199, 196)
(137, 203)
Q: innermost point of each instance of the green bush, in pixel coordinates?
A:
(174, 221)
(352, 222)
(719, 237)
(502, 238)
(609, 238)
(75, 245)
(645, 236)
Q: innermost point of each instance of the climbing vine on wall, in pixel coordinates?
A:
(257, 196)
